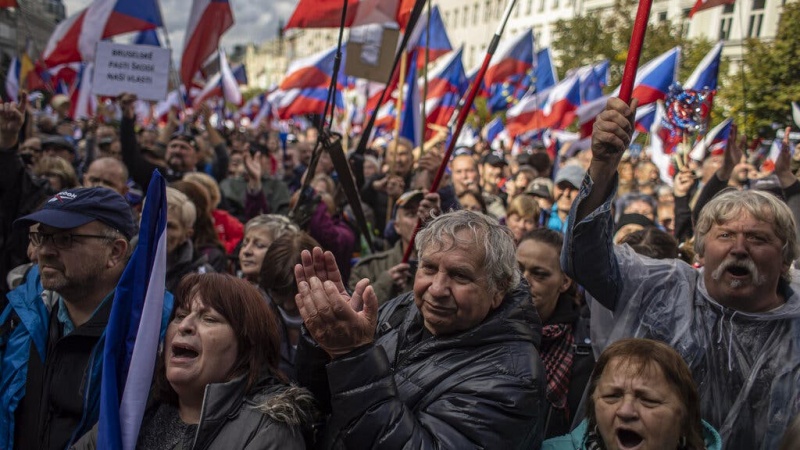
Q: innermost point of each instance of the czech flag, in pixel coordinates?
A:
(208, 20)
(706, 4)
(553, 108)
(138, 319)
(546, 76)
(328, 13)
(223, 84)
(75, 39)
(447, 84)
(654, 78)
(12, 79)
(83, 103)
(437, 42)
(715, 141)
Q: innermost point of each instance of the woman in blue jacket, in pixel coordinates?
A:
(643, 397)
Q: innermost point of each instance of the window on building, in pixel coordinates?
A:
(728, 9)
(537, 36)
(725, 28)
(541, 6)
(447, 18)
(476, 12)
(465, 19)
(754, 28)
(498, 9)
(758, 4)
(662, 16)
(455, 18)
(516, 9)
(529, 8)
(686, 12)
(555, 4)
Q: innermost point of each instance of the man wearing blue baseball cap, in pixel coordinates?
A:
(51, 356)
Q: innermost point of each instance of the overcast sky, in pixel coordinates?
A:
(255, 20)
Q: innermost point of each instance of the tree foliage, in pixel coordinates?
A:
(593, 37)
(759, 95)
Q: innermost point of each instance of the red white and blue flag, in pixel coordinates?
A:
(433, 36)
(554, 108)
(222, 85)
(208, 20)
(546, 75)
(410, 124)
(75, 38)
(654, 78)
(139, 313)
(12, 79)
(304, 89)
(706, 73)
(447, 84)
(83, 103)
(707, 4)
(714, 142)
(652, 84)
(510, 74)
(147, 37)
(328, 13)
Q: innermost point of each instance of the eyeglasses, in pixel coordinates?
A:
(61, 241)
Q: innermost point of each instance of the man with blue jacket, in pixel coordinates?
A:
(51, 356)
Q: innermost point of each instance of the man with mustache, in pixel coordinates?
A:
(736, 321)
(183, 149)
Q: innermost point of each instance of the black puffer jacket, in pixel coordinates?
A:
(274, 417)
(481, 388)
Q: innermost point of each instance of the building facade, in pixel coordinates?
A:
(472, 23)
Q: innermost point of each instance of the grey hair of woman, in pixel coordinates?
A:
(730, 204)
(277, 224)
(497, 242)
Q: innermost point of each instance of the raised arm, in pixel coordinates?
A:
(588, 255)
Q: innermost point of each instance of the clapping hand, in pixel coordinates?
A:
(339, 322)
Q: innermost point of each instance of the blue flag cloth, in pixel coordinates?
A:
(130, 351)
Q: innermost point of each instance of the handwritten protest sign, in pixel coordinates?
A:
(139, 69)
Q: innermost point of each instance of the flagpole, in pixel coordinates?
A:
(423, 111)
(401, 82)
(635, 50)
(463, 112)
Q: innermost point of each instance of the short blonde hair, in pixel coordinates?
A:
(178, 203)
(54, 165)
(208, 183)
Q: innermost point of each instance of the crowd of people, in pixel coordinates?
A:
(567, 300)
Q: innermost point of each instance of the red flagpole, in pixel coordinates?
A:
(635, 50)
(462, 116)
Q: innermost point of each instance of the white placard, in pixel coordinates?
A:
(139, 69)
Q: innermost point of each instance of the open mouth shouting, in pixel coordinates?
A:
(628, 439)
(182, 353)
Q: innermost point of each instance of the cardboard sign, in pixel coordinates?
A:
(371, 53)
(139, 69)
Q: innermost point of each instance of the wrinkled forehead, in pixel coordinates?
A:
(465, 239)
